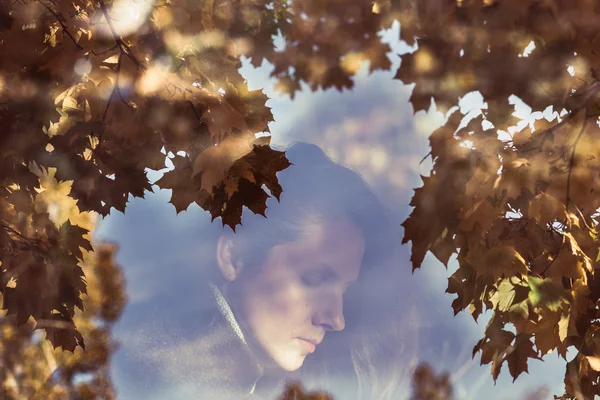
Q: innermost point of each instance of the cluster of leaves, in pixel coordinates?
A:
(100, 100)
(427, 385)
(518, 202)
(295, 391)
(31, 368)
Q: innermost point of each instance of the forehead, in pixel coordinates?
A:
(336, 245)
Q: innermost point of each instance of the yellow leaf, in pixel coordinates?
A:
(573, 220)
(545, 209)
(571, 261)
(214, 162)
(563, 326)
(502, 261)
(482, 213)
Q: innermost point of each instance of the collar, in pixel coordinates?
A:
(227, 313)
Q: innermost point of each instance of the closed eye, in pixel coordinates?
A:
(311, 281)
(318, 277)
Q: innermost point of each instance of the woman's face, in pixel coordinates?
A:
(290, 301)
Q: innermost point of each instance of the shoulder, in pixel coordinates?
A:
(198, 357)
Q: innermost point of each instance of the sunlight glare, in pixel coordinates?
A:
(127, 17)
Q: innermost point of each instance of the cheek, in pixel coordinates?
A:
(284, 303)
(291, 300)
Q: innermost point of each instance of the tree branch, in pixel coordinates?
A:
(17, 233)
(62, 24)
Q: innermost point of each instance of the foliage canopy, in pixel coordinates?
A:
(31, 367)
(100, 101)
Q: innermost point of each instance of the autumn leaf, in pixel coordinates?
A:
(507, 295)
(213, 163)
(61, 331)
(184, 190)
(503, 261)
(517, 359)
(546, 209)
(547, 293)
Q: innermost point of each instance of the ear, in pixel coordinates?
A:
(229, 263)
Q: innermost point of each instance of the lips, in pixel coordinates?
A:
(309, 344)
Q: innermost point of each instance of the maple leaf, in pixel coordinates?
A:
(74, 240)
(570, 262)
(61, 331)
(179, 180)
(518, 356)
(502, 261)
(493, 349)
(504, 297)
(546, 336)
(213, 163)
(243, 185)
(546, 209)
(547, 293)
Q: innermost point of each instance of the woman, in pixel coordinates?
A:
(283, 286)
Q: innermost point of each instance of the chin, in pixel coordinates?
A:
(291, 363)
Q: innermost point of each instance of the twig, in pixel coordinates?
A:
(104, 51)
(116, 89)
(194, 110)
(14, 231)
(584, 104)
(424, 158)
(62, 24)
(119, 41)
(112, 93)
(581, 215)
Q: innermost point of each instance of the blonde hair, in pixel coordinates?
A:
(384, 360)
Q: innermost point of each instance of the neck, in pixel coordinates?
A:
(228, 308)
(269, 375)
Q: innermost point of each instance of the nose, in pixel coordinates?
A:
(331, 316)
